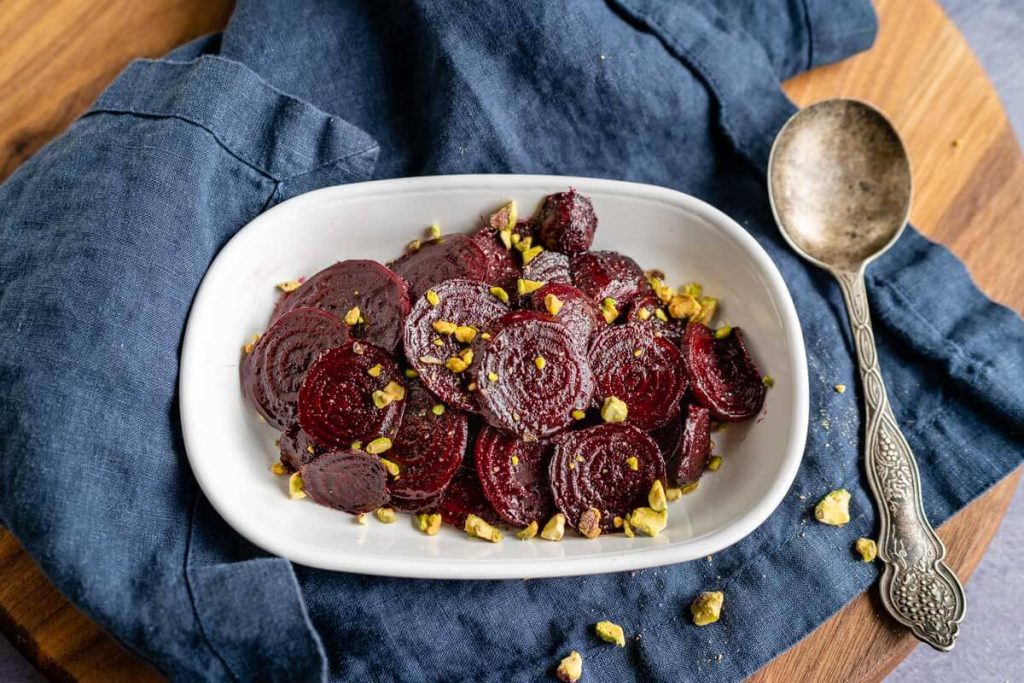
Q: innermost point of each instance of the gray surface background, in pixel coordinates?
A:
(991, 647)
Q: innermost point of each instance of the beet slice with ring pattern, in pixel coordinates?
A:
(531, 375)
(514, 476)
(723, 377)
(590, 469)
(643, 311)
(464, 496)
(460, 302)
(428, 449)
(351, 481)
(645, 371)
(336, 405)
(445, 258)
(382, 298)
(549, 267)
(273, 372)
(695, 448)
(580, 315)
(603, 274)
(297, 449)
(566, 222)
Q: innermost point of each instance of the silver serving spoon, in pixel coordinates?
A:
(840, 187)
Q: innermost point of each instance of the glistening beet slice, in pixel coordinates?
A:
(566, 222)
(460, 302)
(273, 372)
(579, 313)
(645, 311)
(297, 449)
(351, 481)
(645, 371)
(336, 404)
(463, 497)
(591, 469)
(531, 375)
(608, 274)
(381, 296)
(723, 377)
(695, 448)
(428, 449)
(669, 436)
(447, 257)
(550, 267)
(504, 265)
(514, 476)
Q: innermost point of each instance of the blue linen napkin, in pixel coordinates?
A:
(107, 231)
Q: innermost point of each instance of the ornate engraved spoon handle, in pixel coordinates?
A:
(917, 586)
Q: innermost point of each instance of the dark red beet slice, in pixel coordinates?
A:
(514, 477)
(723, 377)
(601, 274)
(566, 222)
(643, 311)
(461, 302)
(273, 372)
(463, 497)
(448, 257)
(504, 264)
(695, 448)
(669, 436)
(382, 298)
(589, 469)
(516, 395)
(645, 371)
(351, 481)
(550, 267)
(579, 314)
(297, 449)
(428, 449)
(336, 400)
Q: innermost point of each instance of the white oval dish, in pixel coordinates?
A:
(230, 451)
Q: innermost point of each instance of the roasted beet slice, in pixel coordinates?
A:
(550, 267)
(580, 315)
(591, 469)
(566, 222)
(601, 274)
(531, 375)
(464, 496)
(460, 302)
(351, 481)
(273, 372)
(645, 311)
(428, 449)
(723, 377)
(503, 265)
(669, 436)
(297, 449)
(336, 406)
(645, 371)
(695, 449)
(514, 476)
(447, 257)
(381, 296)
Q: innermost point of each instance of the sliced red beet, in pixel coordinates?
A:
(549, 267)
(723, 376)
(460, 302)
(608, 274)
(297, 449)
(428, 449)
(514, 476)
(503, 265)
(669, 436)
(273, 372)
(644, 311)
(447, 257)
(591, 469)
(381, 296)
(645, 371)
(336, 406)
(566, 222)
(351, 481)
(580, 315)
(518, 396)
(695, 449)
(464, 496)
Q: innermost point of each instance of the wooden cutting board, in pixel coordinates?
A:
(56, 56)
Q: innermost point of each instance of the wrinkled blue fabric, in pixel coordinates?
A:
(107, 231)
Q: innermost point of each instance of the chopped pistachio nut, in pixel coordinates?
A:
(433, 523)
(637, 353)
(437, 341)
(523, 243)
(356, 446)
(420, 521)
(627, 528)
(410, 373)
(590, 523)
(614, 410)
(632, 463)
(673, 493)
(352, 317)
(296, 489)
(434, 231)
(456, 365)
(527, 532)
(289, 286)
(466, 355)
(395, 390)
(540, 362)
(385, 515)
(707, 608)
(609, 310)
(375, 370)
(430, 360)
(840, 388)
(485, 335)
(867, 548)
(656, 497)
(500, 293)
(683, 306)
(524, 287)
(649, 521)
(391, 467)
(610, 632)
(361, 518)
(471, 386)
(278, 469)
(380, 400)
(692, 289)
(432, 297)
(555, 528)
(505, 218)
(515, 239)
(553, 304)
(578, 414)
(689, 488)
(492, 376)
(413, 246)
(465, 333)
(438, 409)
(506, 238)
(444, 327)
(570, 669)
(249, 345)
(723, 331)
(659, 313)
(708, 306)
(768, 381)
(617, 522)
(644, 314)
(531, 253)
(378, 445)
(480, 529)
(714, 463)
(834, 508)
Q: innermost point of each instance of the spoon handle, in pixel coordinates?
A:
(917, 586)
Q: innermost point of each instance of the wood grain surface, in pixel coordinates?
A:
(57, 55)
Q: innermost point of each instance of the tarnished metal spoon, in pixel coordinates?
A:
(840, 187)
